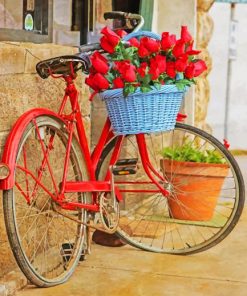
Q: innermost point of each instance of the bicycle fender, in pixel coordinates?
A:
(13, 139)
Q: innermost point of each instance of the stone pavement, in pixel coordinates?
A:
(131, 272)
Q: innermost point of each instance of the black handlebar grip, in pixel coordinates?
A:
(114, 15)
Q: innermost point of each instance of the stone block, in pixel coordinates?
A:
(38, 52)
(3, 291)
(12, 59)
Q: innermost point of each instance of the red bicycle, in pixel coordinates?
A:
(55, 189)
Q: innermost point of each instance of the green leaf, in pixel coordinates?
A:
(145, 89)
(128, 89)
(192, 153)
(110, 77)
(146, 79)
(180, 86)
(157, 85)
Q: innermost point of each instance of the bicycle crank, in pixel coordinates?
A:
(91, 224)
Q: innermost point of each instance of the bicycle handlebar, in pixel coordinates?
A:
(126, 16)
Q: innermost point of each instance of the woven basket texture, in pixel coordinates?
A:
(139, 112)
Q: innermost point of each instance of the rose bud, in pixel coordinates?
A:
(142, 69)
(134, 42)
(170, 69)
(167, 41)
(111, 36)
(200, 67)
(185, 35)
(118, 83)
(121, 33)
(151, 44)
(101, 82)
(179, 48)
(142, 51)
(99, 63)
(106, 45)
(181, 63)
(90, 82)
(161, 62)
(190, 71)
(129, 73)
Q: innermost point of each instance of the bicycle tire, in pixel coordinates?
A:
(40, 237)
(214, 233)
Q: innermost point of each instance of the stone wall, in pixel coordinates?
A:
(22, 89)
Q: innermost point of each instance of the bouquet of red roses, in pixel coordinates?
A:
(145, 64)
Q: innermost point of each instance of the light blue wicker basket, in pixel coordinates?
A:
(143, 112)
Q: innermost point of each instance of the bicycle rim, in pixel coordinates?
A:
(47, 246)
(148, 220)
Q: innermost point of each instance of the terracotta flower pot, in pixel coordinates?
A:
(196, 188)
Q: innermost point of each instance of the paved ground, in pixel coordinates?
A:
(130, 272)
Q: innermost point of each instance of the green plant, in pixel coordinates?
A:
(189, 152)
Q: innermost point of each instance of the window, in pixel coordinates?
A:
(26, 20)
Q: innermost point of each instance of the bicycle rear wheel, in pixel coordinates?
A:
(46, 245)
(148, 220)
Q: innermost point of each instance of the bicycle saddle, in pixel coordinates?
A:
(62, 65)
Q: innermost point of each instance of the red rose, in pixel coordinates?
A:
(200, 67)
(181, 63)
(106, 45)
(134, 42)
(190, 71)
(126, 70)
(193, 52)
(121, 33)
(150, 44)
(185, 35)
(161, 62)
(90, 82)
(167, 41)
(118, 83)
(154, 72)
(111, 36)
(190, 50)
(129, 74)
(142, 69)
(170, 69)
(101, 82)
(179, 48)
(195, 69)
(142, 51)
(99, 63)
(121, 66)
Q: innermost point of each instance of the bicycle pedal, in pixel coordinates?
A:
(126, 162)
(125, 167)
(67, 250)
(128, 170)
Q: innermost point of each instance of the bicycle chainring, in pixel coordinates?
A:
(109, 211)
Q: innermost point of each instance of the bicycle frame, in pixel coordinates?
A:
(72, 121)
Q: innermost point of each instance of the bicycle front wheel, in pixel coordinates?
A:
(46, 245)
(184, 222)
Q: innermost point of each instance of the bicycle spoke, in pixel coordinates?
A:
(148, 220)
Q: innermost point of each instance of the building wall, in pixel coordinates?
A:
(10, 17)
(218, 47)
(22, 89)
(169, 16)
